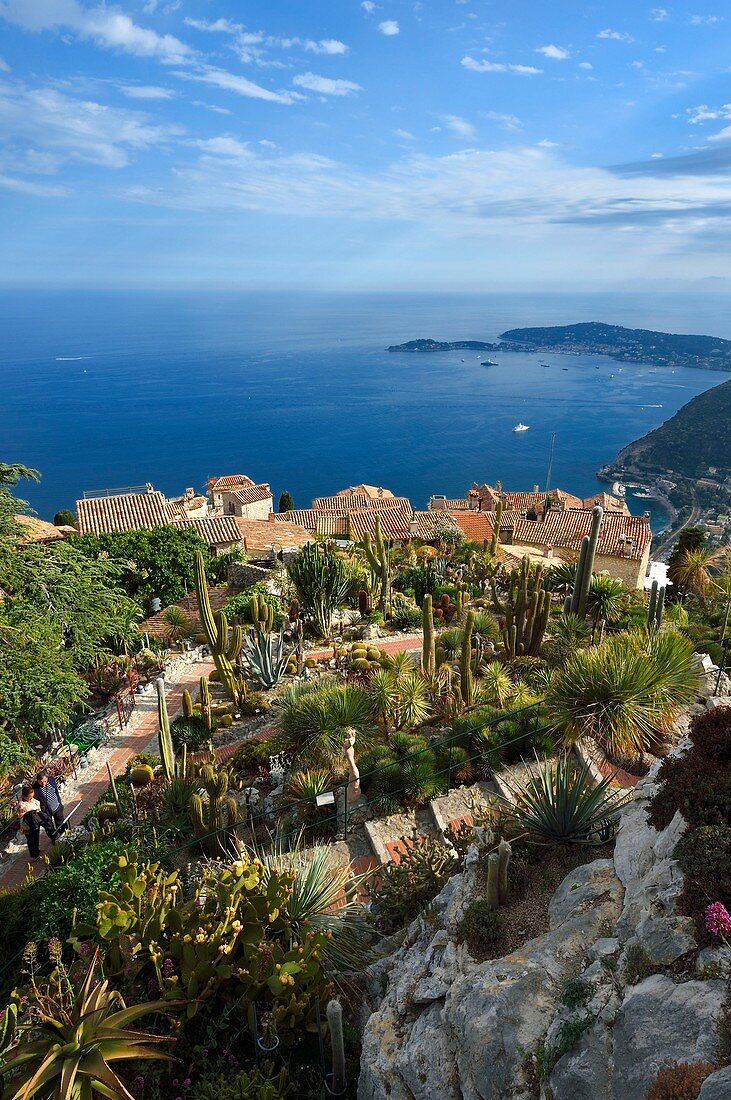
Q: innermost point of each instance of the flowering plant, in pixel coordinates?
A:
(718, 921)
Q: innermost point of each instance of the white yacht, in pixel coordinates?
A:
(521, 427)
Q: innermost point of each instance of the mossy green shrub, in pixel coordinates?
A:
(480, 928)
(392, 776)
(239, 606)
(704, 855)
(406, 617)
(263, 1082)
(698, 782)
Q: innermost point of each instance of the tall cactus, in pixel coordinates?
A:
(585, 567)
(496, 887)
(187, 703)
(113, 788)
(217, 815)
(428, 653)
(215, 628)
(338, 1079)
(262, 614)
(494, 541)
(655, 608)
(524, 610)
(204, 698)
(466, 680)
(164, 738)
(377, 555)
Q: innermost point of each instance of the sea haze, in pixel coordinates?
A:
(108, 389)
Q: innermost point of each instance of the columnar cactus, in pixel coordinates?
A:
(496, 889)
(187, 703)
(466, 681)
(113, 788)
(338, 1079)
(494, 541)
(164, 738)
(655, 608)
(215, 628)
(364, 603)
(524, 611)
(217, 813)
(585, 567)
(377, 555)
(428, 653)
(262, 614)
(204, 698)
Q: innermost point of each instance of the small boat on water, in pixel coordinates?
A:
(564, 368)
(488, 363)
(521, 427)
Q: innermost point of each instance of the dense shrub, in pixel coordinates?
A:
(406, 617)
(403, 889)
(695, 786)
(192, 732)
(391, 775)
(714, 650)
(480, 928)
(711, 734)
(705, 858)
(238, 606)
(263, 1082)
(680, 1081)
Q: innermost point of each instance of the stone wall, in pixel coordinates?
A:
(243, 574)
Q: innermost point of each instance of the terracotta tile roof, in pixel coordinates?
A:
(126, 512)
(475, 526)
(344, 502)
(398, 524)
(523, 502)
(620, 537)
(38, 530)
(316, 521)
(189, 604)
(608, 503)
(214, 530)
(250, 494)
(373, 492)
(263, 535)
(228, 481)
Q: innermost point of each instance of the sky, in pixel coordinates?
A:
(442, 145)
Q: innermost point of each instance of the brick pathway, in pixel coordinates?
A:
(136, 741)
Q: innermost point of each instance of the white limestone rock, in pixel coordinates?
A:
(717, 1086)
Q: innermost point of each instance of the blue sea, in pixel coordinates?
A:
(108, 389)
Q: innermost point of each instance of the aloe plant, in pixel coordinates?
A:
(75, 1037)
(264, 658)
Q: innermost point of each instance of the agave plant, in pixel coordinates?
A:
(73, 1035)
(623, 693)
(560, 803)
(560, 578)
(321, 581)
(303, 788)
(265, 659)
(325, 897)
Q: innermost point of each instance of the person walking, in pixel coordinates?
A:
(29, 812)
(52, 811)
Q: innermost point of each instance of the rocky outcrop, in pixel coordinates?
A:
(445, 1026)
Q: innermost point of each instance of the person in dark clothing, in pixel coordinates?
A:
(52, 811)
(29, 812)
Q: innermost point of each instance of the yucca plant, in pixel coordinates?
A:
(495, 687)
(567, 634)
(303, 788)
(560, 578)
(177, 623)
(73, 1035)
(321, 581)
(324, 897)
(315, 718)
(560, 803)
(400, 696)
(604, 600)
(264, 658)
(623, 693)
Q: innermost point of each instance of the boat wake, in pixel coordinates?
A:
(71, 358)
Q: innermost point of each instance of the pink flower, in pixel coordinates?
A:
(718, 919)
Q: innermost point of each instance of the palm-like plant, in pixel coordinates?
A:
(314, 722)
(623, 693)
(74, 1034)
(177, 623)
(694, 571)
(303, 788)
(560, 803)
(496, 687)
(400, 694)
(561, 578)
(321, 581)
(605, 598)
(567, 634)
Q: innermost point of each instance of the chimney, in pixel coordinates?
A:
(189, 494)
(536, 489)
(271, 518)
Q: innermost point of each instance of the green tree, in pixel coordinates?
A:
(286, 503)
(64, 518)
(158, 563)
(690, 538)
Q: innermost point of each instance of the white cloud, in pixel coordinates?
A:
(459, 126)
(332, 46)
(615, 36)
(508, 122)
(546, 144)
(106, 27)
(4, 67)
(705, 20)
(68, 129)
(405, 135)
(145, 91)
(31, 187)
(659, 15)
(722, 135)
(217, 26)
(704, 113)
(268, 144)
(248, 41)
(389, 27)
(325, 85)
(585, 65)
(368, 6)
(556, 53)
(224, 146)
(231, 82)
(476, 66)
